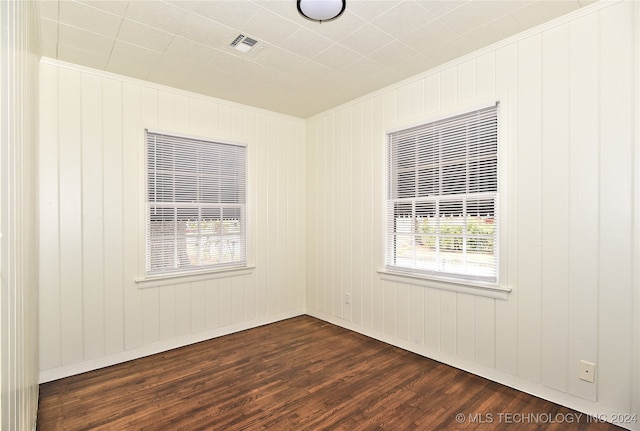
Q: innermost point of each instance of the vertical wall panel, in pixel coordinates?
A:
(417, 315)
(281, 214)
(132, 136)
(529, 204)
(70, 198)
(48, 191)
(465, 337)
(466, 82)
(182, 306)
(583, 199)
(432, 312)
(555, 207)
(212, 303)
(368, 230)
(507, 311)
(403, 311)
(616, 205)
(113, 216)
(198, 310)
(357, 214)
(377, 198)
(485, 343)
(259, 151)
(390, 307)
(345, 203)
(485, 76)
(417, 98)
(92, 219)
(447, 324)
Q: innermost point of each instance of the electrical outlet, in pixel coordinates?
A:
(587, 371)
(347, 298)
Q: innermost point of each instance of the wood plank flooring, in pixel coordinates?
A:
(298, 374)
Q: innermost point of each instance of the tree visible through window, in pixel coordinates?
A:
(442, 197)
(196, 203)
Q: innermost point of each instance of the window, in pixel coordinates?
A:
(442, 197)
(196, 204)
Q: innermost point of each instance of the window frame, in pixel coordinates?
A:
(196, 273)
(498, 289)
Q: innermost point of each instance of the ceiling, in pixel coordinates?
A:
(299, 67)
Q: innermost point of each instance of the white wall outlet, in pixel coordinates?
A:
(347, 298)
(587, 371)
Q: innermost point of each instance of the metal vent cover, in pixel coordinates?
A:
(244, 44)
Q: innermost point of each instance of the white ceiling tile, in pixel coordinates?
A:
(49, 29)
(448, 51)
(234, 14)
(476, 13)
(312, 70)
(536, 13)
(116, 7)
(403, 19)
(132, 60)
(169, 71)
(380, 79)
(366, 39)
(228, 62)
(429, 36)
(441, 7)
(182, 49)
(83, 39)
(393, 52)
(269, 27)
(89, 18)
(336, 57)
(370, 9)
(306, 42)
(414, 65)
(280, 59)
(361, 67)
(211, 82)
(161, 15)
(144, 36)
(494, 31)
(207, 32)
(49, 9)
(189, 5)
(286, 9)
(82, 57)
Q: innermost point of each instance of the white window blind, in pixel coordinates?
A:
(196, 204)
(442, 197)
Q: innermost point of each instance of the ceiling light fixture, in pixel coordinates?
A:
(321, 10)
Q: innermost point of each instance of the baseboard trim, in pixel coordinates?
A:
(159, 347)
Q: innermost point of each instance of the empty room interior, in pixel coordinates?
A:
(455, 183)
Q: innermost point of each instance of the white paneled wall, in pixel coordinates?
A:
(19, 52)
(92, 312)
(569, 118)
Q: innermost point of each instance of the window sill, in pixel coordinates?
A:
(468, 287)
(189, 277)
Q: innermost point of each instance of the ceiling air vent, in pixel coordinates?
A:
(244, 44)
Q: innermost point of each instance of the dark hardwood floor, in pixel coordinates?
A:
(298, 374)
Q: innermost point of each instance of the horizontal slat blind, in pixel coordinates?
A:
(196, 204)
(442, 197)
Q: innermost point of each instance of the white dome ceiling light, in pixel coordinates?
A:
(321, 10)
